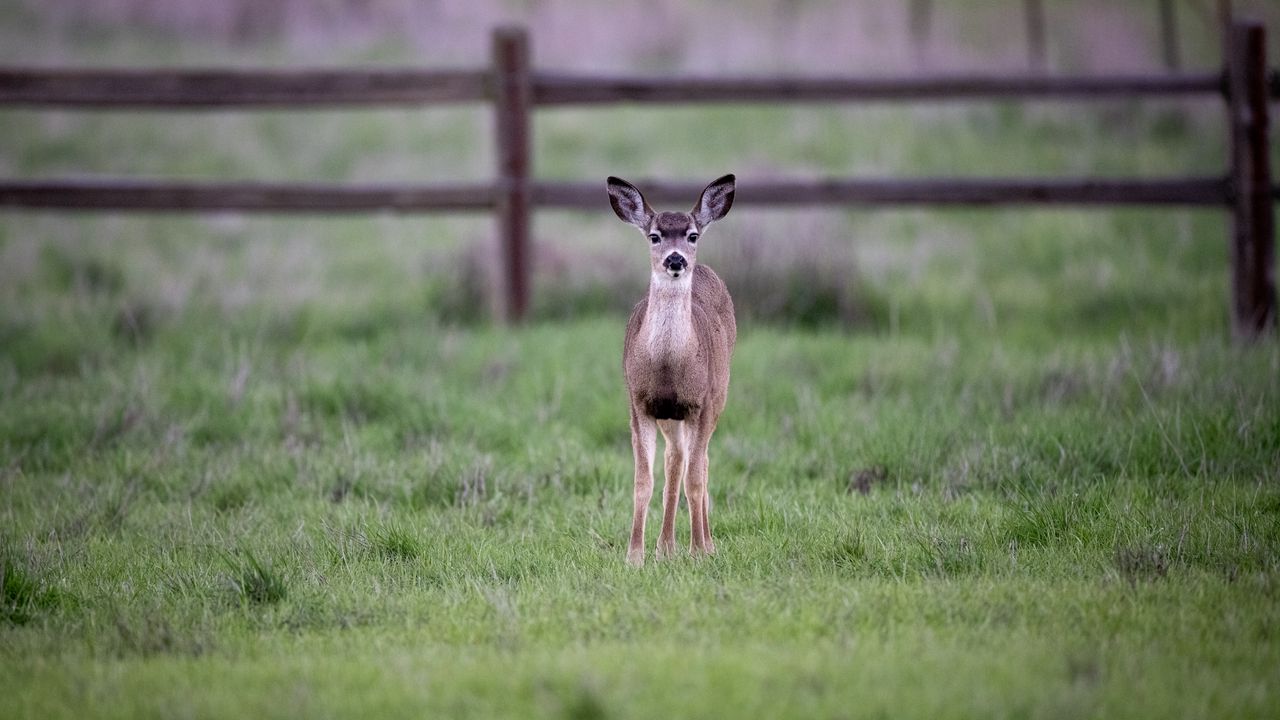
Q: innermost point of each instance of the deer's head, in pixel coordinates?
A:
(673, 236)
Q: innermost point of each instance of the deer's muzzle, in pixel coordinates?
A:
(675, 264)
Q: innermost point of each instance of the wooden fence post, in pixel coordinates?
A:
(512, 97)
(1253, 287)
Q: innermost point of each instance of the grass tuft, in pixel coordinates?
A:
(23, 595)
(862, 481)
(254, 582)
(396, 542)
(1142, 563)
(849, 552)
(150, 634)
(585, 703)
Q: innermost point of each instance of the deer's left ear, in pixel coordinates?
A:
(629, 204)
(715, 202)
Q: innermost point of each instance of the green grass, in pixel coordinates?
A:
(974, 463)
(434, 520)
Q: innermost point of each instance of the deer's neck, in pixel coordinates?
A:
(670, 318)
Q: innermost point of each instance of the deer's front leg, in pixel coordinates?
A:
(644, 438)
(695, 491)
(709, 545)
(676, 465)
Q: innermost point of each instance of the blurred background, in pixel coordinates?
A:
(833, 36)
(70, 283)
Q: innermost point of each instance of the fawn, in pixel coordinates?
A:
(676, 355)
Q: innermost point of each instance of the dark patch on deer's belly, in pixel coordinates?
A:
(664, 401)
(668, 407)
(665, 396)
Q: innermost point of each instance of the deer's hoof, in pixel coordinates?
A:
(701, 550)
(635, 558)
(665, 551)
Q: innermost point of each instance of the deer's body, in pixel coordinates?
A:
(677, 349)
(676, 354)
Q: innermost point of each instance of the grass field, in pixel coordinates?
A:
(974, 463)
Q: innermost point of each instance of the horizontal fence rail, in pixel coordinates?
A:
(169, 196)
(326, 198)
(206, 89)
(549, 89)
(213, 89)
(513, 89)
(931, 191)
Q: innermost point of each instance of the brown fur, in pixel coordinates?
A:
(676, 387)
(676, 356)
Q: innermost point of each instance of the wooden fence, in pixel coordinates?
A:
(514, 88)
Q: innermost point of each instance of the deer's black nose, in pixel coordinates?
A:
(675, 261)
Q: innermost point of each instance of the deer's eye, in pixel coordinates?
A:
(693, 237)
(654, 238)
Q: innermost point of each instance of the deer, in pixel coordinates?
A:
(675, 356)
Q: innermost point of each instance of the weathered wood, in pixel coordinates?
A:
(514, 88)
(568, 89)
(1253, 288)
(212, 89)
(1208, 191)
(168, 196)
(512, 97)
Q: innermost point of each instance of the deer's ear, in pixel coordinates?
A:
(629, 204)
(715, 202)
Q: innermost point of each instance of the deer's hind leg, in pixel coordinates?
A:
(644, 441)
(695, 490)
(708, 545)
(676, 455)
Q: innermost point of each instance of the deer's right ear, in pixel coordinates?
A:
(629, 204)
(715, 201)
